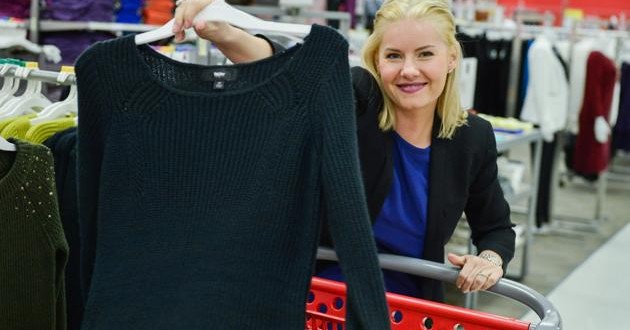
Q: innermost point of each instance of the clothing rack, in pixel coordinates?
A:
(52, 77)
(520, 31)
(570, 223)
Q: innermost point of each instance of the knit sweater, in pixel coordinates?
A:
(201, 188)
(33, 249)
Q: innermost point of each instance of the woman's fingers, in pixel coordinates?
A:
(476, 273)
(185, 14)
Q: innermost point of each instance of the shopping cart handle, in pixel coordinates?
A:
(549, 316)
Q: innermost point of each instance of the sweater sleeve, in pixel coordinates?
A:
(91, 134)
(487, 211)
(345, 204)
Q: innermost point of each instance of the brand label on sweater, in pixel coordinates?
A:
(219, 76)
(214, 74)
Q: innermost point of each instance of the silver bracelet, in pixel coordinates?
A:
(492, 258)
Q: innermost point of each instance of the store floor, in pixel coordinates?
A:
(575, 267)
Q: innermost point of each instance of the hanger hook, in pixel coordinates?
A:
(5, 68)
(62, 77)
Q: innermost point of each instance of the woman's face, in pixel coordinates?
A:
(413, 63)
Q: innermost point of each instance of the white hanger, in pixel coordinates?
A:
(9, 86)
(61, 108)
(219, 10)
(10, 38)
(31, 98)
(6, 145)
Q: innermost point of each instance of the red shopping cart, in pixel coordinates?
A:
(326, 302)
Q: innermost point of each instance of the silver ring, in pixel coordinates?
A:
(179, 2)
(484, 275)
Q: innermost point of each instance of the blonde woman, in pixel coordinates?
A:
(424, 160)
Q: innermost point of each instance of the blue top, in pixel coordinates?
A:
(401, 225)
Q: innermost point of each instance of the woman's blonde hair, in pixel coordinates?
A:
(438, 13)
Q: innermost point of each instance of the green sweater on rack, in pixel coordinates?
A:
(201, 188)
(33, 248)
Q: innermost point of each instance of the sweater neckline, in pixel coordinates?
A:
(283, 61)
(13, 180)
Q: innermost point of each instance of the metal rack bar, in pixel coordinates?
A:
(35, 25)
(33, 22)
(42, 75)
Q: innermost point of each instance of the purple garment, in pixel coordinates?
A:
(73, 43)
(621, 132)
(15, 8)
(79, 10)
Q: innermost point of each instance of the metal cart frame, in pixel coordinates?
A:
(549, 317)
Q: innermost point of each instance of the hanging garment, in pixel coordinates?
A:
(18, 127)
(130, 11)
(591, 156)
(158, 11)
(33, 249)
(547, 89)
(39, 133)
(15, 8)
(63, 147)
(199, 188)
(523, 79)
(79, 10)
(621, 132)
(493, 58)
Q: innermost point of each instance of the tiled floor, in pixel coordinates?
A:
(576, 266)
(596, 295)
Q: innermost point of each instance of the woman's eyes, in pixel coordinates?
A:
(392, 56)
(422, 54)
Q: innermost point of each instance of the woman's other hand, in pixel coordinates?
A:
(476, 273)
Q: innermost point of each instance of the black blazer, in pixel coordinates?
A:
(463, 178)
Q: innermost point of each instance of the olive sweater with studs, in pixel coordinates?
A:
(33, 248)
(201, 188)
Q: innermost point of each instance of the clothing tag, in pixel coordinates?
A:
(218, 84)
(219, 76)
(225, 74)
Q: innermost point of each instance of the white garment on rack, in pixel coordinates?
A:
(614, 107)
(467, 82)
(546, 101)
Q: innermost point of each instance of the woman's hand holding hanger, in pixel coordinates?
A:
(237, 45)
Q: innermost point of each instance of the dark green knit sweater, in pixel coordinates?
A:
(201, 188)
(33, 249)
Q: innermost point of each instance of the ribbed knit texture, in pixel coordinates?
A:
(4, 123)
(33, 249)
(41, 132)
(199, 207)
(63, 147)
(18, 127)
